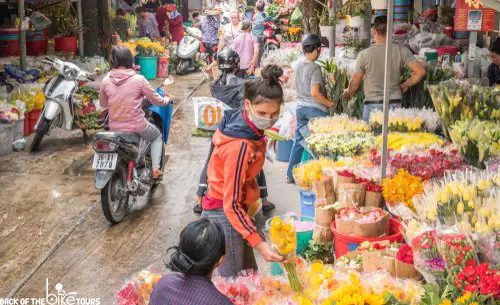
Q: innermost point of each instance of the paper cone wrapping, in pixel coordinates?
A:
(322, 234)
(324, 215)
(373, 199)
(324, 188)
(351, 193)
(406, 271)
(352, 227)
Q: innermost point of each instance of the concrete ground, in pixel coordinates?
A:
(52, 226)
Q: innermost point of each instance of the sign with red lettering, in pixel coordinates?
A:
(471, 15)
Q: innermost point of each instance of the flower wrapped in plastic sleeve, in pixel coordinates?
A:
(284, 240)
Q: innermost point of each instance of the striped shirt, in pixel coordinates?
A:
(180, 289)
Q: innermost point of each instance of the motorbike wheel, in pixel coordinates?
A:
(182, 68)
(41, 131)
(114, 199)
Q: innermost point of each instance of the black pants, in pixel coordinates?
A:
(203, 184)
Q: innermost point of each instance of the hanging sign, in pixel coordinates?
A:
(471, 15)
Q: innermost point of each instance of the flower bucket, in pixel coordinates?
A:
(307, 200)
(9, 42)
(284, 150)
(326, 30)
(33, 118)
(347, 243)
(148, 66)
(356, 21)
(162, 68)
(67, 45)
(379, 4)
(6, 138)
(19, 129)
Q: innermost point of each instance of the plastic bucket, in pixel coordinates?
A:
(148, 66)
(33, 118)
(284, 150)
(6, 138)
(307, 200)
(36, 43)
(19, 130)
(346, 243)
(401, 2)
(276, 269)
(68, 45)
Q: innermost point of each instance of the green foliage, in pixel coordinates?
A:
(390, 299)
(431, 295)
(319, 251)
(273, 10)
(355, 8)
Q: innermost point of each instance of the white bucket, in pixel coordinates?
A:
(379, 4)
(6, 138)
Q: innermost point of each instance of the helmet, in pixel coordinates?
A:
(228, 60)
(311, 40)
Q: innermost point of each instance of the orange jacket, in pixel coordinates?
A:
(233, 167)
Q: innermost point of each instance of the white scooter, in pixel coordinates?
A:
(188, 51)
(59, 108)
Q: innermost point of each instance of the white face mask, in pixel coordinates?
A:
(260, 122)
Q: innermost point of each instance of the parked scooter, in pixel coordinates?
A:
(272, 39)
(59, 105)
(188, 51)
(122, 161)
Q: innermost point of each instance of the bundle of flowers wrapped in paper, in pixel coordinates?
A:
(338, 123)
(307, 173)
(340, 145)
(478, 140)
(406, 120)
(399, 191)
(411, 141)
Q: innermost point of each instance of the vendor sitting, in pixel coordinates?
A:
(370, 67)
(201, 249)
(494, 68)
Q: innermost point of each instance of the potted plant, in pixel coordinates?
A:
(357, 12)
(65, 28)
(326, 24)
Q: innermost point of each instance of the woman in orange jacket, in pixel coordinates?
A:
(237, 159)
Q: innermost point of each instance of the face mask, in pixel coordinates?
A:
(260, 122)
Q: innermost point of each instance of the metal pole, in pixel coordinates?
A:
(80, 27)
(387, 78)
(331, 39)
(22, 35)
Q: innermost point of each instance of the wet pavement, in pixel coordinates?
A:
(52, 226)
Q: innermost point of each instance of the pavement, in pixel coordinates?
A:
(52, 227)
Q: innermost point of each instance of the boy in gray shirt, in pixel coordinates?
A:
(311, 94)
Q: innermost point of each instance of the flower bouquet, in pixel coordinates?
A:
(373, 194)
(307, 173)
(138, 290)
(366, 222)
(410, 141)
(399, 191)
(145, 47)
(339, 145)
(338, 123)
(405, 120)
(284, 239)
(478, 140)
(427, 259)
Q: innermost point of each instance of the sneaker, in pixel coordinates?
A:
(267, 207)
(197, 209)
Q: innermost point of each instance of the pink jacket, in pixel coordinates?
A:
(122, 92)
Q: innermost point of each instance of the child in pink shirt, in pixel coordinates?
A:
(247, 46)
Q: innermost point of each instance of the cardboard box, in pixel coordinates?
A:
(373, 199)
(352, 227)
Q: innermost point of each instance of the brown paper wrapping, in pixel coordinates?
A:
(322, 234)
(406, 271)
(351, 227)
(378, 260)
(324, 188)
(351, 193)
(324, 215)
(373, 199)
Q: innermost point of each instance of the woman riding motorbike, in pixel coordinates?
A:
(123, 92)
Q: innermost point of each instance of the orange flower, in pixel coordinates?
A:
(401, 188)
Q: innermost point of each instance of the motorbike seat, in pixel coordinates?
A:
(128, 137)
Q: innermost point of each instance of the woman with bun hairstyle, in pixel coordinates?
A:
(201, 249)
(238, 157)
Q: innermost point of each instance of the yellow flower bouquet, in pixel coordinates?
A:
(145, 47)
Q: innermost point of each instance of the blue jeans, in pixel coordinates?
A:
(239, 255)
(368, 108)
(304, 115)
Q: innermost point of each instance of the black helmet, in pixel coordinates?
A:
(312, 41)
(228, 60)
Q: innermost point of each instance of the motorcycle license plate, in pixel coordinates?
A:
(105, 161)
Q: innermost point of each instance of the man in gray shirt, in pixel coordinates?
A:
(311, 94)
(370, 67)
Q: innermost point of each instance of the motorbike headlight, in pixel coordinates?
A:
(70, 73)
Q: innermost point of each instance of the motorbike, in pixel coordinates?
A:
(59, 107)
(122, 162)
(188, 51)
(272, 39)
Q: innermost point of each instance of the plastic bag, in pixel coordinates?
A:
(39, 21)
(287, 123)
(138, 290)
(296, 17)
(208, 112)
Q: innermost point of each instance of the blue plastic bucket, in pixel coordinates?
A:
(165, 113)
(306, 156)
(148, 66)
(401, 9)
(307, 200)
(401, 2)
(284, 150)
